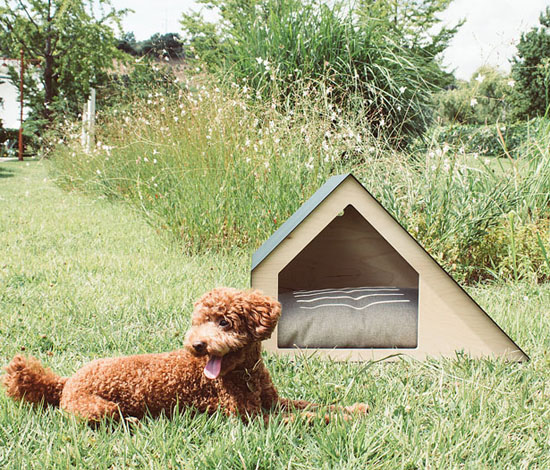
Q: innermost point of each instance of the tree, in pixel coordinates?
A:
(75, 48)
(158, 46)
(127, 43)
(169, 45)
(531, 71)
(414, 21)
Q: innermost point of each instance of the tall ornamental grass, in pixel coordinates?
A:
(277, 47)
(218, 173)
(207, 166)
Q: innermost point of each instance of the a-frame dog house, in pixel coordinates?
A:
(354, 284)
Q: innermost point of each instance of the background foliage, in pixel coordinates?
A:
(176, 158)
(531, 71)
(496, 140)
(136, 80)
(167, 46)
(482, 100)
(74, 45)
(369, 58)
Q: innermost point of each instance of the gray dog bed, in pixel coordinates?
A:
(356, 317)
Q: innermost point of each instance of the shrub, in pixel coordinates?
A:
(8, 134)
(282, 47)
(11, 137)
(180, 161)
(482, 100)
(497, 140)
(135, 80)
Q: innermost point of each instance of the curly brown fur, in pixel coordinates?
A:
(27, 379)
(220, 368)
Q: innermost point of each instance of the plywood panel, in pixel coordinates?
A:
(449, 320)
(347, 253)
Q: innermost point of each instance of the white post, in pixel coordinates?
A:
(84, 136)
(90, 120)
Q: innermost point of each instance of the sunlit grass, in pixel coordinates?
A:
(82, 278)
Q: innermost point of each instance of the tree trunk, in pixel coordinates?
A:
(48, 84)
(48, 67)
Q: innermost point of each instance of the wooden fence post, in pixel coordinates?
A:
(88, 122)
(21, 72)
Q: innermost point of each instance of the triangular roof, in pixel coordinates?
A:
(284, 235)
(296, 219)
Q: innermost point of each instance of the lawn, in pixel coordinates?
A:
(82, 277)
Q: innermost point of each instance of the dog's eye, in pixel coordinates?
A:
(223, 323)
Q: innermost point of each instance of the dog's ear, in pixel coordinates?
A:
(262, 314)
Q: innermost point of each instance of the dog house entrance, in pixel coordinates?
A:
(348, 288)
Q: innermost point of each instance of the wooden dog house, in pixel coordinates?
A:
(354, 284)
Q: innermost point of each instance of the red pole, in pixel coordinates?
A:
(21, 69)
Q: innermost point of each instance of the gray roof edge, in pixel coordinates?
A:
(296, 219)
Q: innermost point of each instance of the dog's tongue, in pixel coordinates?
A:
(213, 367)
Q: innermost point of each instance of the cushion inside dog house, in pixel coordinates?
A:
(367, 317)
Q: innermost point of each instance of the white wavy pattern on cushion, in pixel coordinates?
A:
(347, 297)
(381, 293)
(356, 308)
(309, 293)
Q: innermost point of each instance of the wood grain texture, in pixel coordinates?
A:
(347, 253)
(449, 320)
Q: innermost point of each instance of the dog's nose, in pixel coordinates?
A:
(199, 346)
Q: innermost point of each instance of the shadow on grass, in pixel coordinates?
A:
(6, 173)
(11, 168)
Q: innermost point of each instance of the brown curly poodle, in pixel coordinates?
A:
(220, 368)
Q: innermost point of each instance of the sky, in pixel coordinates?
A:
(488, 37)
(491, 32)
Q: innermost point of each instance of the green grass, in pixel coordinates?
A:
(177, 158)
(81, 278)
(350, 53)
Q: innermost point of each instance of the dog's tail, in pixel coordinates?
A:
(26, 379)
